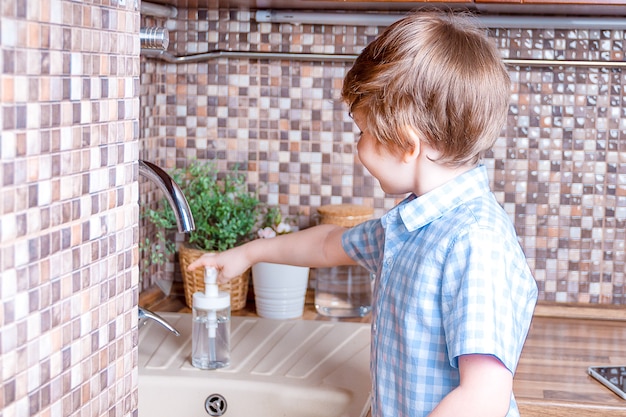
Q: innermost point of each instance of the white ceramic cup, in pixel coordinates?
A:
(279, 290)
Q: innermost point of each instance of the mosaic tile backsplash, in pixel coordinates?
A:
(79, 107)
(559, 168)
(69, 145)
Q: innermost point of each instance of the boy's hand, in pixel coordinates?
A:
(229, 264)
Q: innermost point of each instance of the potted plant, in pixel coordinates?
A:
(273, 223)
(225, 214)
(279, 290)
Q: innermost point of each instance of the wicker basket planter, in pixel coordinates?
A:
(193, 281)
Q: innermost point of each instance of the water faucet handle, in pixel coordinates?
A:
(145, 315)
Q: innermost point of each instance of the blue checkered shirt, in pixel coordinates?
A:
(451, 280)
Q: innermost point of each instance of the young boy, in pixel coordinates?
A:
(453, 296)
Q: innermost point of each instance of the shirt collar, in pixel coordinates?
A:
(416, 212)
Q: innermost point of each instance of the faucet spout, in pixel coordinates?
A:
(145, 315)
(173, 194)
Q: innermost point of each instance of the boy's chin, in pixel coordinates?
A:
(394, 191)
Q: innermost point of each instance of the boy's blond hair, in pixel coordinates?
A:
(437, 74)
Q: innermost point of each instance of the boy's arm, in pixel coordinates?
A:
(318, 246)
(484, 391)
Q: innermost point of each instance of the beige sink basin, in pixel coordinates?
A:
(293, 368)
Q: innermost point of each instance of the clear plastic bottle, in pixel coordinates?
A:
(210, 343)
(210, 352)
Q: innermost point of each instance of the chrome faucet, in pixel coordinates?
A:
(173, 194)
(182, 213)
(145, 315)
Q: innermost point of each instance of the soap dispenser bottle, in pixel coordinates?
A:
(211, 325)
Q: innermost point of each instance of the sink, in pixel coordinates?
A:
(292, 368)
(188, 397)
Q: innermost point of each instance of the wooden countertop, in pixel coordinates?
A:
(551, 379)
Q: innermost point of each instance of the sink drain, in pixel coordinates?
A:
(215, 405)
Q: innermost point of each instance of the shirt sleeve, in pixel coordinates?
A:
(364, 243)
(488, 296)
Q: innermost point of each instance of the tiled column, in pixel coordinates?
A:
(68, 207)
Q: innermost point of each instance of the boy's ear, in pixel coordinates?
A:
(411, 135)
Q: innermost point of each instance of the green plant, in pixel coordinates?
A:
(224, 211)
(157, 253)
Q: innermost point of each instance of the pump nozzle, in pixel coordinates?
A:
(211, 290)
(210, 282)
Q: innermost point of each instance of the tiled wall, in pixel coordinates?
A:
(559, 168)
(68, 207)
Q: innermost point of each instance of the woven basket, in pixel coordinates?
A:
(346, 215)
(193, 281)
